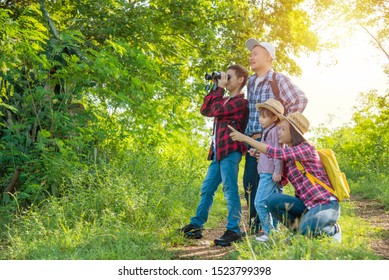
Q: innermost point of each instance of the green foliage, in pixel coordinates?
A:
(80, 76)
(123, 209)
(362, 146)
(99, 106)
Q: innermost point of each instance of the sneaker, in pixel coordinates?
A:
(260, 233)
(338, 233)
(191, 231)
(227, 238)
(263, 238)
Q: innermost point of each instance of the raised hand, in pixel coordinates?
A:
(236, 135)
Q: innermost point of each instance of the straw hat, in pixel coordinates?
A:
(272, 105)
(298, 121)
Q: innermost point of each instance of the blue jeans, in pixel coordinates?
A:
(266, 188)
(225, 172)
(313, 222)
(250, 185)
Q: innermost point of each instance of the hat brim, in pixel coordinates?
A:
(292, 123)
(252, 43)
(271, 109)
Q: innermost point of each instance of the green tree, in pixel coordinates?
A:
(80, 78)
(346, 17)
(363, 144)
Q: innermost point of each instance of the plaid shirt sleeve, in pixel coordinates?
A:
(226, 111)
(300, 152)
(294, 98)
(206, 108)
(216, 106)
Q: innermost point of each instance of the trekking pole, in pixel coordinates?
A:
(248, 191)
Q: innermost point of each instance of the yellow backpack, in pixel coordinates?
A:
(337, 178)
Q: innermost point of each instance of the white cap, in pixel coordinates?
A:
(252, 43)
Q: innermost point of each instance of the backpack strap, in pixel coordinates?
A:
(276, 89)
(267, 132)
(312, 178)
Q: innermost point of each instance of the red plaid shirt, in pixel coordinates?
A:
(226, 111)
(310, 195)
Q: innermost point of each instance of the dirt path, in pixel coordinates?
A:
(377, 216)
(369, 210)
(204, 248)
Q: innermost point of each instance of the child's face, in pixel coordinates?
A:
(266, 120)
(233, 82)
(284, 135)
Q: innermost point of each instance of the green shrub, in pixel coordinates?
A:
(108, 212)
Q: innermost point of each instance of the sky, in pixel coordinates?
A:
(333, 80)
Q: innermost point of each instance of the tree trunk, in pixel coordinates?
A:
(12, 185)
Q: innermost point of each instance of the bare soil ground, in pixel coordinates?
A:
(369, 210)
(377, 216)
(204, 248)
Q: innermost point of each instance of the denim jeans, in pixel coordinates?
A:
(250, 185)
(313, 222)
(225, 172)
(266, 188)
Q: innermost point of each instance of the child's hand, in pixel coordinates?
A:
(236, 135)
(276, 177)
(252, 152)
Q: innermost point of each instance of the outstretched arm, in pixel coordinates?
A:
(237, 136)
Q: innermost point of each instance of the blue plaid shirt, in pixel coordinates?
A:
(294, 99)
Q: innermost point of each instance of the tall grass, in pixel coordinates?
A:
(130, 209)
(373, 186)
(109, 211)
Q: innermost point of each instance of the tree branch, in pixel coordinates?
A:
(54, 30)
(46, 15)
(375, 39)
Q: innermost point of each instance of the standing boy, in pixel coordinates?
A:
(269, 169)
(224, 153)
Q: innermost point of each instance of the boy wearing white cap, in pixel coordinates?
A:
(262, 85)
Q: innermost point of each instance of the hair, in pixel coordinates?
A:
(266, 112)
(240, 72)
(297, 138)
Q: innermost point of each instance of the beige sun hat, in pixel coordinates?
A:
(298, 121)
(272, 105)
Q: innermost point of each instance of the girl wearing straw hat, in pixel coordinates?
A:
(313, 210)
